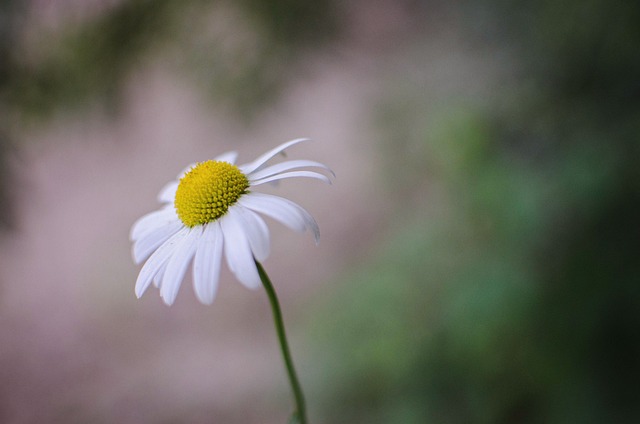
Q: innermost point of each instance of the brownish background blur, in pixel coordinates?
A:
(478, 261)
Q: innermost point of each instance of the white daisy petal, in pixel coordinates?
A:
(292, 174)
(238, 251)
(286, 166)
(229, 157)
(157, 260)
(256, 164)
(273, 207)
(168, 192)
(147, 244)
(177, 265)
(206, 264)
(157, 280)
(151, 221)
(257, 232)
(283, 210)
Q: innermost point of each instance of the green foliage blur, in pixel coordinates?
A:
(510, 290)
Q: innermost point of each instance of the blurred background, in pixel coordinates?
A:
(479, 254)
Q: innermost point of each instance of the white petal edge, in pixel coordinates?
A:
(148, 243)
(257, 232)
(168, 192)
(283, 210)
(157, 280)
(151, 221)
(257, 163)
(178, 264)
(185, 170)
(155, 263)
(206, 264)
(229, 157)
(287, 166)
(292, 174)
(238, 251)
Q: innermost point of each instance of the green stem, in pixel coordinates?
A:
(300, 415)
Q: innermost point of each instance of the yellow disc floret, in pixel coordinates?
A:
(207, 190)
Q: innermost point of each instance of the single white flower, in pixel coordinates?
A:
(212, 209)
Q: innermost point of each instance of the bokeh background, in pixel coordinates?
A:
(479, 255)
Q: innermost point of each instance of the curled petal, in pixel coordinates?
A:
(256, 164)
(292, 174)
(283, 210)
(287, 166)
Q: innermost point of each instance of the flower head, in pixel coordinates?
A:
(211, 211)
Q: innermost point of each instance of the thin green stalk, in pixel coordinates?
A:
(300, 415)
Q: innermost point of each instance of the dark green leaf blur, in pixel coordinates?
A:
(510, 292)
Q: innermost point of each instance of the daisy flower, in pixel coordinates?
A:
(211, 210)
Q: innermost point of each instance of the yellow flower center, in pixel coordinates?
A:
(207, 190)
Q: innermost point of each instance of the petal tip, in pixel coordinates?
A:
(138, 292)
(167, 300)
